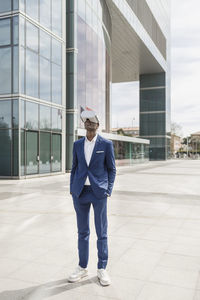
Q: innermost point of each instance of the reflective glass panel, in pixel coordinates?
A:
(15, 69)
(22, 5)
(15, 171)
(45, 117)
(32, 36)
(57, 17)
(15, 117)
(5, 152)
(15, 4)
(22, 114)
(45, 13)
(31, 152)
(56, 51)
(22, 70)
(22, 31)
(45, 152)
(32, 9)
(5, 70)
(45, 79)
(81, 8)
(31, 115)
(22, 152)
(5, 32)
(15, 30)
(56, 84)
(31, 73)
(56, 152)
(56, 119)
(5, 5)
(5, 114)
(45, 44)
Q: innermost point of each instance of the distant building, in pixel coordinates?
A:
(130, 131)
(175, 143)
(196, 135)
(195, 142)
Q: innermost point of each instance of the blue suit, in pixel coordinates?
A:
(101, 172)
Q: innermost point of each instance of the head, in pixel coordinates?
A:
(91, 126)
(90, 120)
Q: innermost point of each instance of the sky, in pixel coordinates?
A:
(185, 74)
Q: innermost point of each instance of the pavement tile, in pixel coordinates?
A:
(155, 291)
(173, 276)
(184, 249)
(36, 272)
(180, 261)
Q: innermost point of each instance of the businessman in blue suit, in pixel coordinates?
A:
(91, 182)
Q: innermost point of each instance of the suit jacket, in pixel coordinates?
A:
(101, 170)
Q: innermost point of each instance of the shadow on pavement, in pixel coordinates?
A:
(45, 290)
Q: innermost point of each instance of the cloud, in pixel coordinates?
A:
(125, 104)
(185, 64)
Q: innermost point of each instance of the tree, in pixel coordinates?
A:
(176, 129)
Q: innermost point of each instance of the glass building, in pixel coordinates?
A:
(32, 87)
(59, 57)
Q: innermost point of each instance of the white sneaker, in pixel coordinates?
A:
(78, 274)
(103, 277)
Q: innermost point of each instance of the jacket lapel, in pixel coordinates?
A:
(94, 150)
(82, 150)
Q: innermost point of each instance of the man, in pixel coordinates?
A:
(91, 182)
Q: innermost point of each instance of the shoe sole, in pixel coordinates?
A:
(102, 283)
(77, 280)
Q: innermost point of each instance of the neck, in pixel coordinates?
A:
(90, 135)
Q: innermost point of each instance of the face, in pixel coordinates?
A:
(91, 126)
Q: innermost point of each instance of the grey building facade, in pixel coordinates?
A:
(58, 57)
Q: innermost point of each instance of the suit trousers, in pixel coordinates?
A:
(82, 208)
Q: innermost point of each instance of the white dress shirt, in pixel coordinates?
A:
(88, 149)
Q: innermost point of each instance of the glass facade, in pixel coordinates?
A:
(41, 63)
(42, 44)
(93, 59)
(154, 115)
(127, 153)
(8, 137)
(41, 139)
(31, 59)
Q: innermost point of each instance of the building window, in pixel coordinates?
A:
(57, 17)
(15, 30)
(45, 44)
(31, 73)
(31, 115)
(45, 117)
(45, 13)
(5, 5)
(32, 36)
(32, 9)
(15, 117)
(56, 84)
(5, 70)
(5, 113)
(5, 152)
(45, 79)
(56, 52)
(56, 119)
(45, 152)
(5, 32)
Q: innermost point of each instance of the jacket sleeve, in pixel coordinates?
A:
(110, 163)
(74, 166)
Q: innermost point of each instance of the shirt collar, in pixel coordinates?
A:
(93, 140)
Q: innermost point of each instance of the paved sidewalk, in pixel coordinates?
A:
(154, 237)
